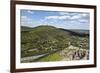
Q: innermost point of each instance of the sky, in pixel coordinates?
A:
(59, 19)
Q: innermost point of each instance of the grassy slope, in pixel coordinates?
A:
(45, 38)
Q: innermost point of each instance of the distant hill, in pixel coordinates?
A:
(80, 31)
(77, 32)
(25, 28)
(83, 31)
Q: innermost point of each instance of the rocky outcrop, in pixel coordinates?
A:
(74, 53)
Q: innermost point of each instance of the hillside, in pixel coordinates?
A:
(25, 28)
(48, 39)
(77, 32)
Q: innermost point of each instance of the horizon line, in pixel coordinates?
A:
(52, 26)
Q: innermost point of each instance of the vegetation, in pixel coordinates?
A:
(51, 57)
(47, 39)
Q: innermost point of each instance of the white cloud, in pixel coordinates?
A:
(64, 13)
(79, 16)
(64, 17)
(23, 17)
(76, 17)
(30, 11)
(26, 21)
(57, 17)
(68, 13)
(83, 20)
(84, 14)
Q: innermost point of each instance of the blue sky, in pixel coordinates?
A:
(60, 19)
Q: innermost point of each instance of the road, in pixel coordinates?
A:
(32, 57)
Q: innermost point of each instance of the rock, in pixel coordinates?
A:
(75, 54)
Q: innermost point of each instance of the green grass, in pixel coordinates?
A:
(51, 57)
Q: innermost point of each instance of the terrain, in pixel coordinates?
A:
(49, 43)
